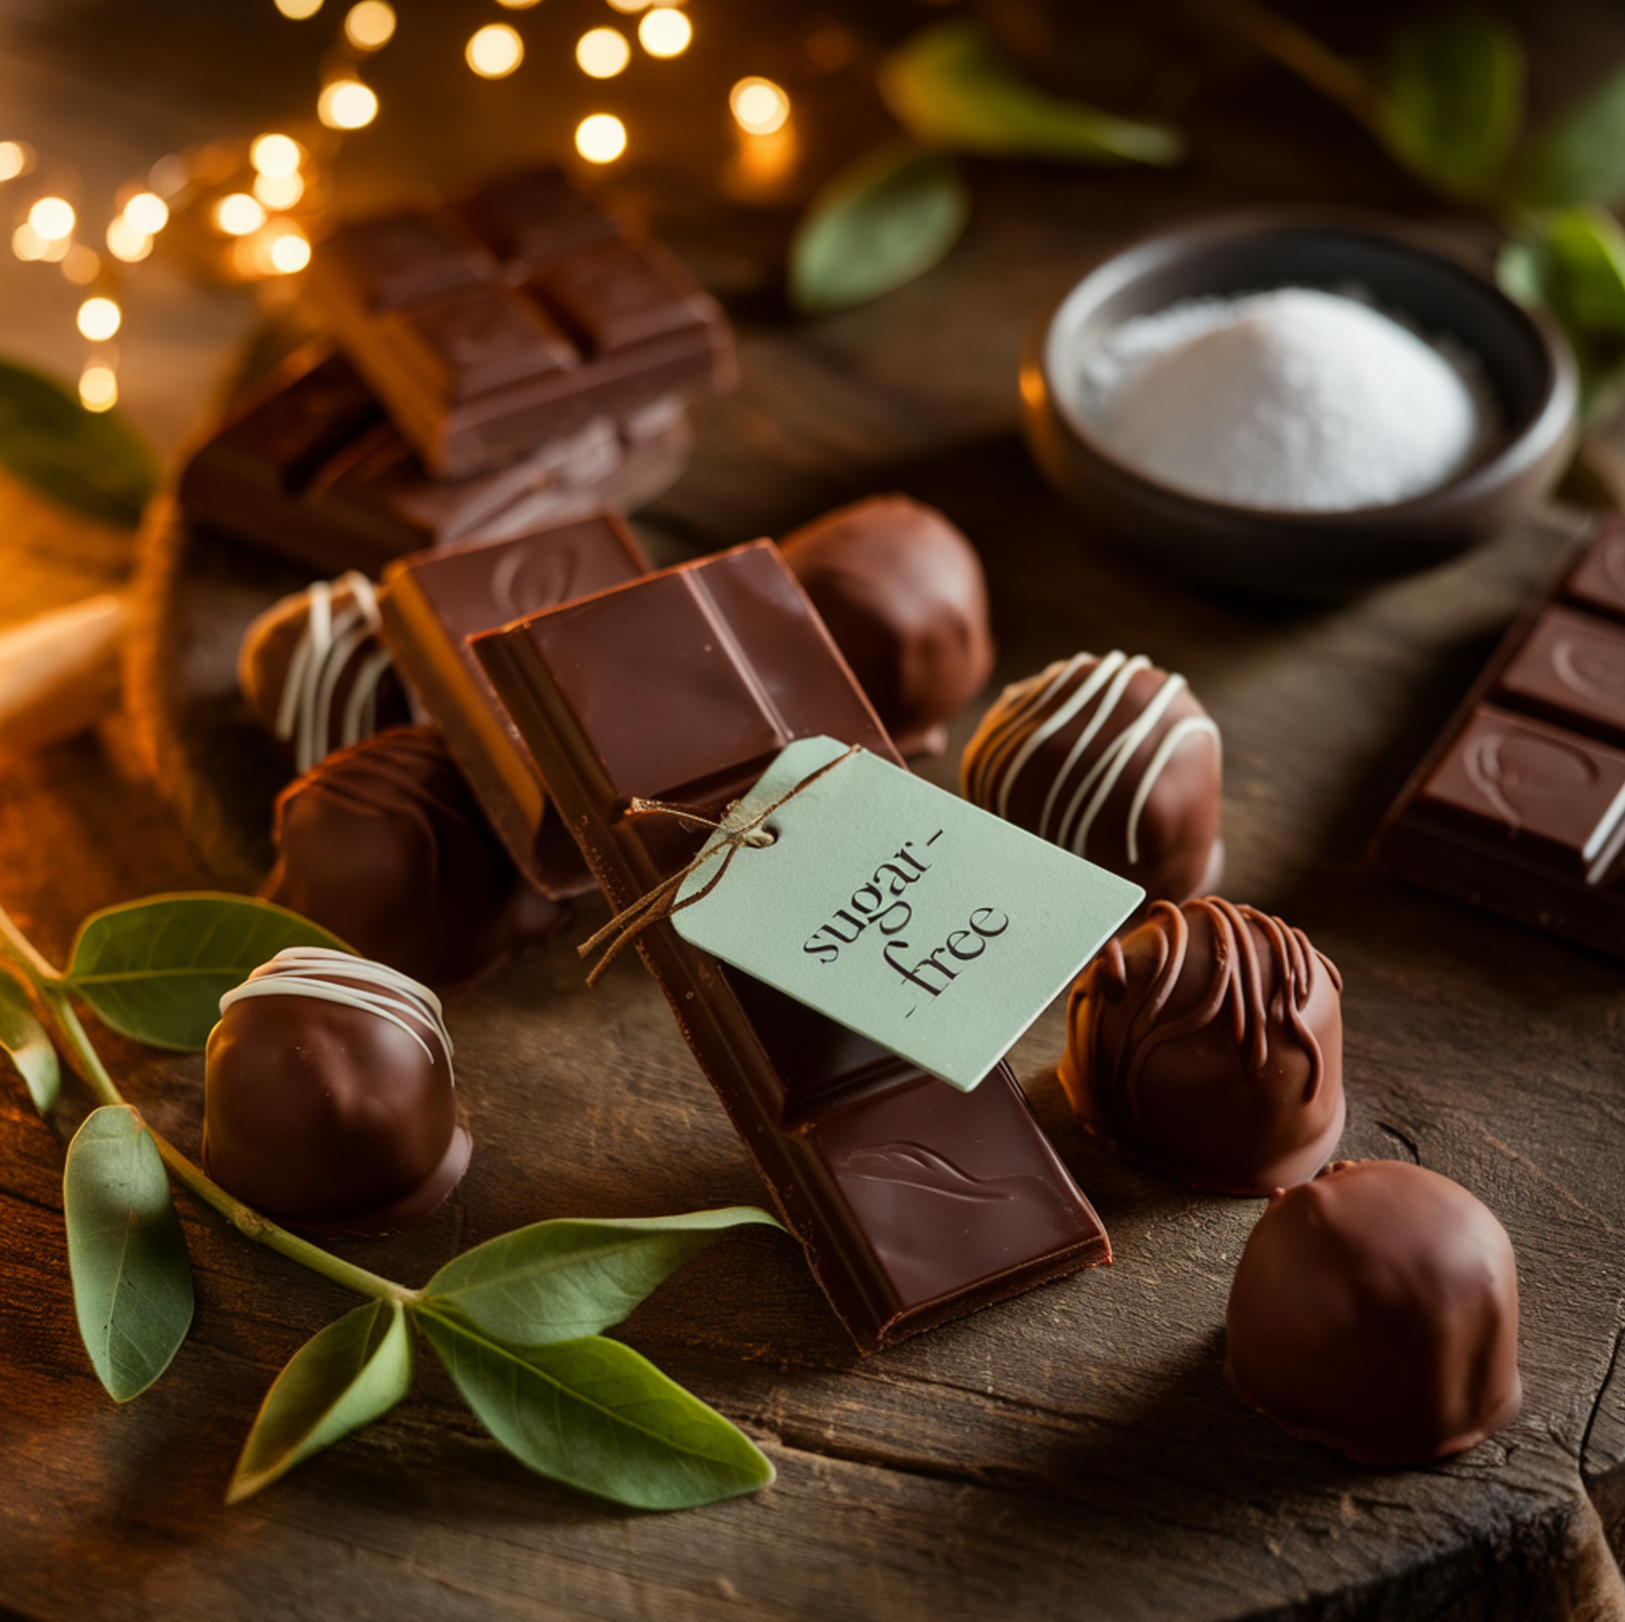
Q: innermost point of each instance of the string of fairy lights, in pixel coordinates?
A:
(247, 208)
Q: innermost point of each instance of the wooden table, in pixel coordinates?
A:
(1072, 1453)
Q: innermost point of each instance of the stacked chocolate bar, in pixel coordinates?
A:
(512, 359)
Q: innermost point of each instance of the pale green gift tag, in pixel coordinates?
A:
(929, 925)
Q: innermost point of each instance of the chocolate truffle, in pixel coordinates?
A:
(329, 1100)
(1376, 1309)
(1111, 759)
(384, 844)
(1208, 1042)
(314, 672)
(903, 594)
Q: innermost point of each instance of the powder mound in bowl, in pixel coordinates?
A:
(1295, 400)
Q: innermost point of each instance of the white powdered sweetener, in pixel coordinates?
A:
(1298, 400)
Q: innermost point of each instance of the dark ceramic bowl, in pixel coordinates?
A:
(1314, 555)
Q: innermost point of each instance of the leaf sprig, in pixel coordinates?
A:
(518, 1321)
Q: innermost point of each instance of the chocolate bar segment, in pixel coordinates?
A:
(1520, 806)
(520, 314)
(916, 1203)
(310, 469)
(433, 602)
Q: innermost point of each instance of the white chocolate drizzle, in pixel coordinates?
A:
(330, 976)
(321, 657)
(1031, 712)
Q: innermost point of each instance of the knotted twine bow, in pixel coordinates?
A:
(661, 901)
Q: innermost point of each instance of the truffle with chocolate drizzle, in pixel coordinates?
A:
(316, 675)
(329, 1099)
(1208, 1042)
(1112, 759)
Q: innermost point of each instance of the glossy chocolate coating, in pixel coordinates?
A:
(328, 1115)
(433, 602)
(384, 845)
(314, 673)
(1112, 759)
(1376, 1309)
(915, 1203)
(903, 594)
(514, 316)
(1520, 805)
(1208, 1042)
(310, 469)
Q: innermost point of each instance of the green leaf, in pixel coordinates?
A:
(350, 1374)
(881, 222)
(564, 1279)
(948, 87)
(1581, 159)
(91, 461)
(132, 1282)
(594, 1414)
(157, 969)
(1453, 99)
(24, 1038)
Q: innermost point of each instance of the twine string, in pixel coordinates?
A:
(661, 901)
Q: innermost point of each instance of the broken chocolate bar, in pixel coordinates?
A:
(431, 603)
(916, 1202)
(518, 315)
(1520, 806)
(310, 469)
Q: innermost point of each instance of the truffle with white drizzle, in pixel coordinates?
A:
(1208, 1042)
(1112, 759)
(315, 673)
(329, 1099)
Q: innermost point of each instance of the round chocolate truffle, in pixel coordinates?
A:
(1376, 1309)
(384, 844)
(903, 594)
(1111, 759)
(329, 1100)
(314, 672)
(1208, 1042)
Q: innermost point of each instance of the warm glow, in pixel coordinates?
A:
(347, 104)
(628, 6)
(52, 218)
(665, 31)
(601, 138)
(759, 106)
(27, 243)
(98, 388)
(298, 10)
(82, 265)
(288, 251)
(125, 242)
(13, 159)
(146, 213)
(495, 51)
(369, 24)
(519, 5)
(603, 52)
(98, 318)
(279, 191)
(238, 214)
(276, 154)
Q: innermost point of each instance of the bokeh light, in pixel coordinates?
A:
(125, 242)
(98, 388)
(276, 154)
(52, 218)
(759, 105)
(81, 265)
(601, 138)
(238, 214)
(664, 31)
(495, 51)
(298, 10)
(146, 213)
(601, 53)
(369, 24)
(346, 104)
(629, 6)
(524, 5)
(279, 191)
(99, 319)
(287, 251)
(14, 159)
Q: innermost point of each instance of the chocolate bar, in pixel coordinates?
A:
(310, 469)
(915, 1202)
(433, 602)
(1520, 806)
(520, 314)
